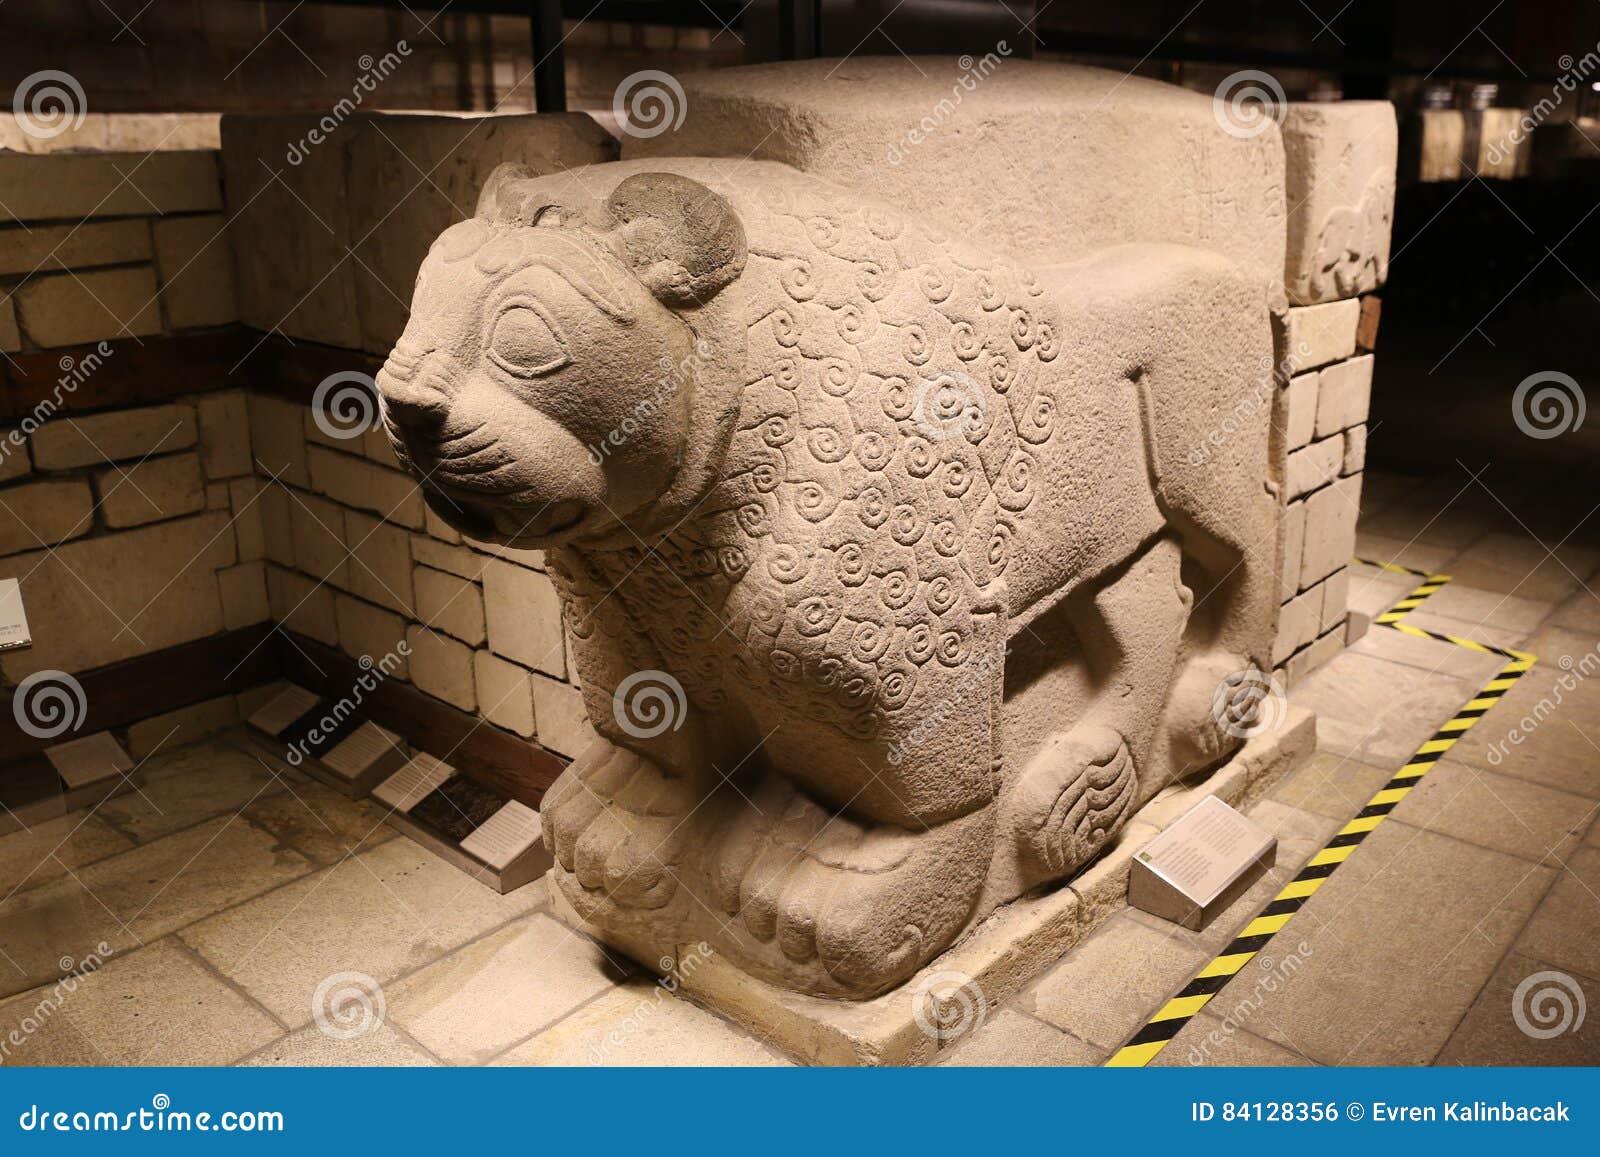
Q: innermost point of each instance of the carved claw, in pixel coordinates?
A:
(1071, 798)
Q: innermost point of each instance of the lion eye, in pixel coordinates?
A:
(525, 344)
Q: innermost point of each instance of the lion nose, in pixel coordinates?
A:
(412, 403)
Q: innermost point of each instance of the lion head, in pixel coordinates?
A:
(538, 389)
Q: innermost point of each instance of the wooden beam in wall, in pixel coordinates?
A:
(133, 689)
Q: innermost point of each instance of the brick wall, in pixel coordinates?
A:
(1339, 189)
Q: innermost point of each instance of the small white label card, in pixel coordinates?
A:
(359, 750)
(409, 786)
(505, 835)
(1205, 850)
(282, 709)
(13, 619)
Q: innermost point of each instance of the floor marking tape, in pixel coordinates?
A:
(1146, 1044)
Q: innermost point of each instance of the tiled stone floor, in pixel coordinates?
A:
(232, 905)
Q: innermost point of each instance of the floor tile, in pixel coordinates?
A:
(1372, 591)
(155, 1006)
(1540, 1027)
(1010, 1039)
(482, 998)
(1395, 947)
(1107, 986)
(319, 823)
(1566, 928)
(1331, 785)
(187, 786)
(1457, 600)
(1466, 629)
(1416, 555)
(44, 852)
(1581, 612)
(1511, 564)
(1509, 815)
(640, 1023)
(1448, 521)
(1539, 731)
(310, 1047)
(383, 913)
(1428, 655)
(1210, 1041)
(1378, 711)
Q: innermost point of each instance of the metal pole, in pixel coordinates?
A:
(549, 60)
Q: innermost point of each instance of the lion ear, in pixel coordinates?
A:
(512, 195)
(500, 180)
(684, 241)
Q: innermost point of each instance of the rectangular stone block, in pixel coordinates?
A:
(13, 455)
(524, 617)
(1315, 465)
(244, 594)
(290, 213)
(60, 309)
(457, 560)
(71, 186)
(371, 631)
(277, 439)
(560, 717)
(317, 531)
(1301, 418)
(1330, 529)
(277, 525)
(505, 693)
(101, 599)
(1344, 395)
(10, 336)
(50, 248)
(1297, 624)
(1367, 326)
(194, 260)
(442, 667)
(1294, 537)
(1355, 450)
(399, 212)
(151, 490)
(1339, 182)
(39, 514)
(365, 486)
(225, 434)
(302, 605)
(95, 439)
(1441, 134)
(1335, 597)
(1318, 334)
(450, 604)
(380, 562)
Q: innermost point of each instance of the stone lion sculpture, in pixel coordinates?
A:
(892, 581)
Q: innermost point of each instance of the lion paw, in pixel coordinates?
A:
(1072, 797)
(860, 906)
(616, 822)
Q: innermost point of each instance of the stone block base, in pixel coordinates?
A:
(994, 961)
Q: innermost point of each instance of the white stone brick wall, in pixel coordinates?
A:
(1339, 186)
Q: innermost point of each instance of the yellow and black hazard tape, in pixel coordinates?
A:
(1182, 1008)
